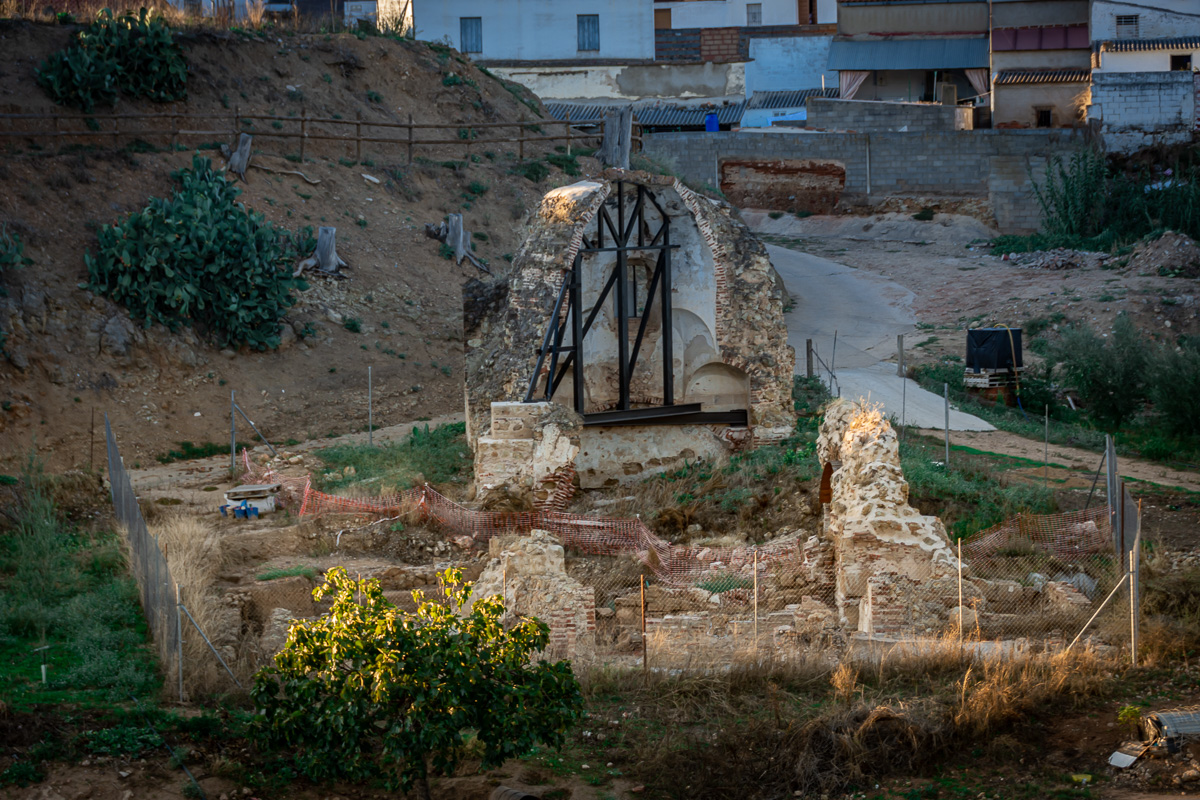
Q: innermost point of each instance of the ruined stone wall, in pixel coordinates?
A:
(887, 552)
(529, 572)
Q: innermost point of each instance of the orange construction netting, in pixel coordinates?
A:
(1066, 535)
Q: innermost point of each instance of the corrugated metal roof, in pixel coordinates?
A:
(1017, 77)
(653, 114)
(788, 99)
(1143, 45)
(909, 54)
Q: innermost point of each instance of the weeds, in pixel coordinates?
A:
(300, 570)
(438, 456)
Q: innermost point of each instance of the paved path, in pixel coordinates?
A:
(867, 312)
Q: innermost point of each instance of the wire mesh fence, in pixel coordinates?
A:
(146, 560)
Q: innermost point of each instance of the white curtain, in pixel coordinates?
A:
(978, 79)
(848, 82)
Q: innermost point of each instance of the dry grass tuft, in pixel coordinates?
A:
(768, 728)
(193, 551)
(255, 10)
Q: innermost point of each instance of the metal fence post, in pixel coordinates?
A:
(645, 645)
(179, 632)
(960, 595)
(946, 396)
(370, 412)
(232, 430)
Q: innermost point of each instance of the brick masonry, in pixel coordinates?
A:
(828, 113)
(1139, 109)
(996, 164)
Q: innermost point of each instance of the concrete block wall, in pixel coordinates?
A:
(985, 163)
(1143, 108)
(827, 113)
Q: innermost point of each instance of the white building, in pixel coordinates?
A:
(1138, 37)
(1145, 82)
(540, 30)
(742, 13)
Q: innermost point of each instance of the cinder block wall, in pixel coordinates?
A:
(996, 164)
(827, 113)
(1143, 108)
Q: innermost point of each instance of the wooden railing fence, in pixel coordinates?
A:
(407, 136)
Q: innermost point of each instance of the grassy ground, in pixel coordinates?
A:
(66, 600)
(436, 456)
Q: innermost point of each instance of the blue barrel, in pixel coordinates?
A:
(710, 123)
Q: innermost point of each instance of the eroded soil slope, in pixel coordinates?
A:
(69, 352)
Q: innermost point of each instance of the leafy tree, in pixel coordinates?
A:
(368, 690)
(1108, 372)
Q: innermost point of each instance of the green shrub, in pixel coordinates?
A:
(566, 163)
(200, 257)
(1109, 373)
(1175, 388)
(134, 54)
(924, 215)
(371, 691)
(535, 171)
(12, 253)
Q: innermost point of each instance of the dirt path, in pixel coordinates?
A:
(1011, 444)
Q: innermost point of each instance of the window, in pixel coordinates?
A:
(1044, 118)
(1127, 26)
(589, 32)
(1181, 63)
(662, 19)
(470, 33)
(754, 13)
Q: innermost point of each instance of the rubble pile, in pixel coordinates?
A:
(1172, 254)
(1057, 259)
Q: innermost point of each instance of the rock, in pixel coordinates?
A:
(1189, 776)
(970, 619)
(295, 459)
(334, 317)
(287, 336)
(17, 357)
(229, 353)
(118, 335)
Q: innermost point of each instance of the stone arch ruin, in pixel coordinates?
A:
(671, 306)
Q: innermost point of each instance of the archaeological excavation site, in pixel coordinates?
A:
(632, 365)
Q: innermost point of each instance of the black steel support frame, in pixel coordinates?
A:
(571, 292)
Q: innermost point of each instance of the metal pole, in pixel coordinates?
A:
(645, 658)
(903, 405)
(1046, 452)
(833, 355)
(370, 411)
(1135, 595)
(808, 357)
(179, 630)
(232, 430)
(946, 395)
(960, 598)
(900, 355)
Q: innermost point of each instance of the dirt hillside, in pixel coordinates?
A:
(69, 352)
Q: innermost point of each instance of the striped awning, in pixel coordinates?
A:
(1145, 45)
(796, 99)
(1018, 77)
(651, 114)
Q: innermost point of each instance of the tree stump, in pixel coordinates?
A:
(325, 258)
(239, 161)
(618, 138)
(452, 233)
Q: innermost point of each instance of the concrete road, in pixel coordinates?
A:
(867, 312)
